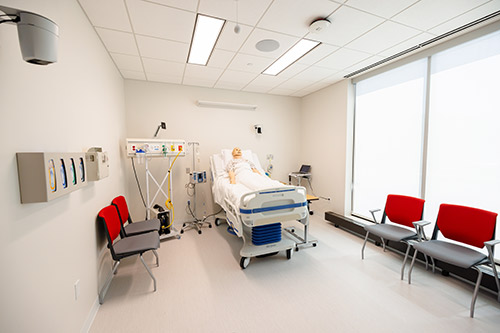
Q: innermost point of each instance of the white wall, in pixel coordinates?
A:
(150, 103)
(69, 106)
(325, 116)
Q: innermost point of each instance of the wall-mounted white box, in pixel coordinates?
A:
(97, 164)
(46, 176)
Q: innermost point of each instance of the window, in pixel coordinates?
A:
(388, 136)
(461, 162)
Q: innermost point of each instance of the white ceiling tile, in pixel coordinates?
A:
(234, 79)
(300, 93)
(281, 91)
(160, 21)
(363, 63)
(220, 58)
(237, 76)
(256, 89)
(134, 75)
(293, 70)
(231, 41)
(342, 58)
(202, 72)
(183, 4)
(317, 54)
(163, 67)
(314, 73)
(157, 48)
(386, 8)
(118, 41)
(110, 14)
(285, 41)
(192, 81)
(127, 62)
(470, 16)
(427, 14)
(347, 24)
(335, 77)
(249, 11)
(424, 36)
(295, 84)
(157, 77)
(382, 37)
(299, 15)
(267, 81)
(249, 63)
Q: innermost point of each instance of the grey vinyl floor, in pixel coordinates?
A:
(328, 288)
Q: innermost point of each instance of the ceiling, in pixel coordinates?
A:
(149, 40)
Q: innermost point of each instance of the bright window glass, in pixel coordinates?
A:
(463, 163)
(388, 136)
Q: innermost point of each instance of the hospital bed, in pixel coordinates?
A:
(256, 216)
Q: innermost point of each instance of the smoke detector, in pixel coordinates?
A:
(319, 26)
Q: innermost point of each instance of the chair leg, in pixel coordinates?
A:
(411, 266)
(476, 289)
(433, 265)
(383, 243)
(157, 258)
(104, 289)
(426, 262)
(404, 261)
(364, 244)
(149, 271)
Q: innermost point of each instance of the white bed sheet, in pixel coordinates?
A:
(223, 190)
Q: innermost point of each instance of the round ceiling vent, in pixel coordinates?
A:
(267, 45)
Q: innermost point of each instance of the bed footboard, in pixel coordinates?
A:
(273, 205)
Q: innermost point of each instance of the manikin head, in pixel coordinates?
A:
(236, 152)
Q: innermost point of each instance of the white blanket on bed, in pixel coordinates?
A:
(246, 181)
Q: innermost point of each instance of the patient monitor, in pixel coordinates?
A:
(38, 36)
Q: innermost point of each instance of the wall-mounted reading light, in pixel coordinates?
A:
(162, 125)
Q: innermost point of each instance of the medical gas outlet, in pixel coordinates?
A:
(155, 147)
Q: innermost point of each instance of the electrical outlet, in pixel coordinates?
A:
(77, 289)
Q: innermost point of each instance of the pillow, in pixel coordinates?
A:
(228, 156)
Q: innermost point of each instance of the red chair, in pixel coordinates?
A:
(465, 226)
(133, 228)
(125, 247)
(402, 211)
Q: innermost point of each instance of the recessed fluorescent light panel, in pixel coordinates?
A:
(291, 56)
(206, 33)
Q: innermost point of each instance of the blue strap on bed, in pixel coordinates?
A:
(269, 209)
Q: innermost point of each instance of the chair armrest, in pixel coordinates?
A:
(492, 243)
(373, 211)
(419, 226)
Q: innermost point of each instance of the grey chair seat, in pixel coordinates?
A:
(138, 243)
(390, 232)
(142, 227)
(454, 254)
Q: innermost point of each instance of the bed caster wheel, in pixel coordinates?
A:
(199, 232)
(292, 230)
(217, 222)
(210, 225)
(289, 254)
(297, 249)
(311, 213)
(182, 231)
(244, 262)
(183, 225)
(314, 244)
